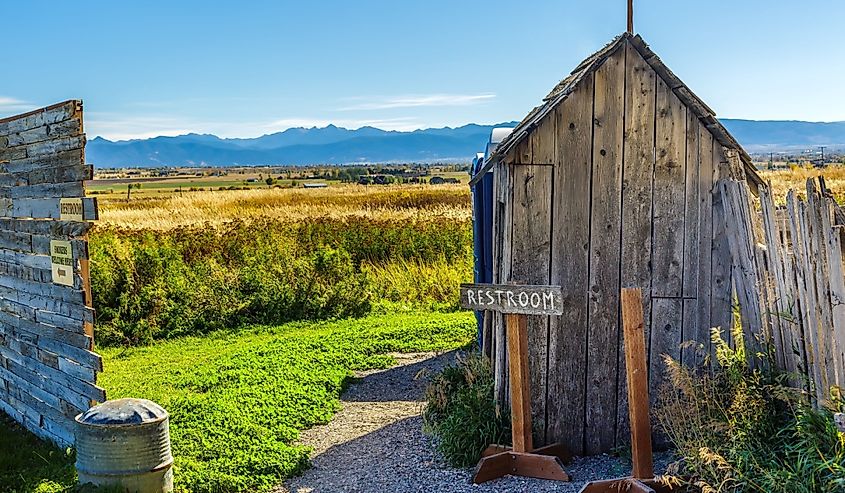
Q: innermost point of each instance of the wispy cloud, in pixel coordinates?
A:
(417, 101)
(8, 105)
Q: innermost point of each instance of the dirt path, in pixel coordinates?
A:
(375, 443)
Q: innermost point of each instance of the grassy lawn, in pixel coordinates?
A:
(238, 400)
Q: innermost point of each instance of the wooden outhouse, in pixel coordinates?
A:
(609, 183)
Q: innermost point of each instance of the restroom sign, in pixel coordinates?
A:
(61, 259)
(507, 298)
(70, 209)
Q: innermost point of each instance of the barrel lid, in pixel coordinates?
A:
(123, 412)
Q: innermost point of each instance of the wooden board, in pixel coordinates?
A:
(570, 268)
(721, 314)
(669, 186)
(605, 232)
(532, 192)
(707, 177)
(637, 179)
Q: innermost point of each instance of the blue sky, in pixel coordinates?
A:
(246, 68)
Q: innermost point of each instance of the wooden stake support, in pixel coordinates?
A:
(522, 459)
(642, 479)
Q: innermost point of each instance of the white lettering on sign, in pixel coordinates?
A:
(537, 300)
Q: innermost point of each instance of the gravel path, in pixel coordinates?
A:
(375, 443)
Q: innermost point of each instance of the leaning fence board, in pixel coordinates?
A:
(48, 370)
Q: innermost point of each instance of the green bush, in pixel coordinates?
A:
(745, 430)
(461, 411)
(151, 285)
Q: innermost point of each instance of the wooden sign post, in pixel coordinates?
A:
(517, 303)
(642, 480)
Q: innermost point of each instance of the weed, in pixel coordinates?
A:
(461, 411)
(745, 430)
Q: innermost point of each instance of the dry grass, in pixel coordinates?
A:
(217, 207)
(796, 178)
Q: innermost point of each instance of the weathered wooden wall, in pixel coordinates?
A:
(48, 371)
(614, 188)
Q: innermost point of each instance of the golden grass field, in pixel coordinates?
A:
(399, 202)
(796, 178)
(395, 202)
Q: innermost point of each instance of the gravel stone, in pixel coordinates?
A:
(376, 444)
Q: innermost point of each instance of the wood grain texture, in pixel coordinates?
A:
(707, 178)
(570, 268)
(520, 382)
(669, 178)
(721, 314)
(605, 231)
(637, 381)
(532, 195)
(637, 181)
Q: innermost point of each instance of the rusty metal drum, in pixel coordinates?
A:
(125, 442)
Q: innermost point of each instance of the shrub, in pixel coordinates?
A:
(461, 411)
(151, 285)
(745, 430)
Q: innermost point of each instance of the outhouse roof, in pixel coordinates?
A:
(565, 87)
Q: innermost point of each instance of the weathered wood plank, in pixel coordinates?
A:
(668, 234)
(837, 295)
(707, 178)
(44, 208)
(797, 225)
(822, 285)
(58, 292)
(74, 310)
(666, 321)
(51, 131)
(57, 230)
(605, 230)
(26, 167)
(570, 268)
(746, 276)
(530, 250)
(637, 176)
(37, 118)
(55, 146)
(692, 206)
(43, 190)
(721, 313)
(504, 222)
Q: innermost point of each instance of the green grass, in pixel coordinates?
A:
(29, 465)
(238, 400)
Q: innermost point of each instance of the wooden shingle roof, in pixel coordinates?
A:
(563, 89)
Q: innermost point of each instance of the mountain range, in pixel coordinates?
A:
(337, 145)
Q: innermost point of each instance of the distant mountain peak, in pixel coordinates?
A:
(338, 145)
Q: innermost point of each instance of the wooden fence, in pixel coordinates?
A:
(789, 281)
(48, 371)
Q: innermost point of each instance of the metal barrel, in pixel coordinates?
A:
(125, 442)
